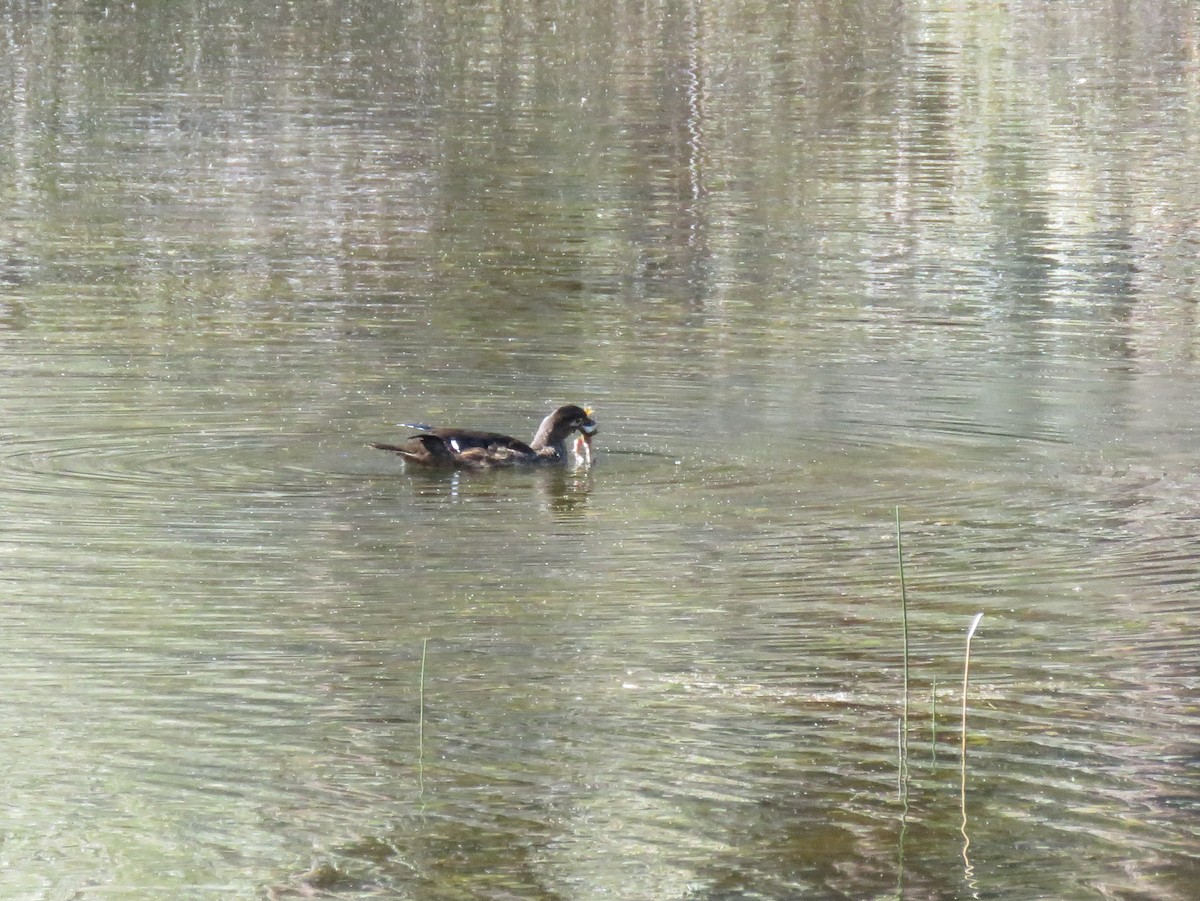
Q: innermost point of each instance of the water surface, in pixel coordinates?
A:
(810, 264)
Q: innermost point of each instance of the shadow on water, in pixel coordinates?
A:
(557, 490)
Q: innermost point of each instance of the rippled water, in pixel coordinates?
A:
(811, 265)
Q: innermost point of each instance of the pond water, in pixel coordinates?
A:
(815, 266)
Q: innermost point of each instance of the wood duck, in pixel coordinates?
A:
(467, 449)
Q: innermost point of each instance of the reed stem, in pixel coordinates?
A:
(933, 718)
(966, 679)
(421, 717)
(968, 869)
(904, 624)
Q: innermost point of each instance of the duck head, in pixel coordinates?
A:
(556, 428)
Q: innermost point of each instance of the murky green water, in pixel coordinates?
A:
(809, 262)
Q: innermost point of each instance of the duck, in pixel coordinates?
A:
(469, 449)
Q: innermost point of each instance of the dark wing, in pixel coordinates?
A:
(460, 440)
(461, 448)
(428, 449)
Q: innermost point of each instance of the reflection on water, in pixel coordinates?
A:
(809, 264)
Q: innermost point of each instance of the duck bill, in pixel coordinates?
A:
(589, 428)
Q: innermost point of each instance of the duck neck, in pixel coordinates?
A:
(551, 438)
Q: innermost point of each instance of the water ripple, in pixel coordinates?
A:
(154, 462)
